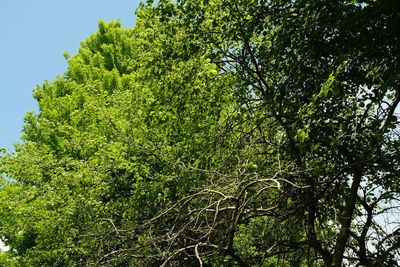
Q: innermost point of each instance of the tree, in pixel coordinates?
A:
(220, 132)
(314, 71)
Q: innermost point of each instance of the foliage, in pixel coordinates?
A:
(215, 133)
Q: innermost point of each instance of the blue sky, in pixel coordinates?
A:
(33, 37)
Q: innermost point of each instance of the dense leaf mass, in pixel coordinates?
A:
(216, 133)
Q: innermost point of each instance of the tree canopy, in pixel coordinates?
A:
(216, 133)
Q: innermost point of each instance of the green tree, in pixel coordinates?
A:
(323, 75)
(105, 152)
(215, 133)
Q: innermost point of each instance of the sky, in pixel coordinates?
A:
(33, 38)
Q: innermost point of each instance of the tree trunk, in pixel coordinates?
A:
(347, 218)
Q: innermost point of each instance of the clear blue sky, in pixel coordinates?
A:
(33, 38)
